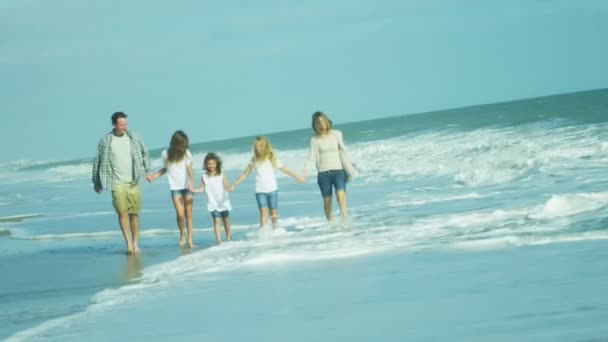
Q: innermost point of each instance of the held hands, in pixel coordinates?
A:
(300, 179)
(150, 178)
(195, 190)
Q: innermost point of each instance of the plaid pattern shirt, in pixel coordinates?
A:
(103, 173)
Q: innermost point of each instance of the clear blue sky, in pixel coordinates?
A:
(222, 69)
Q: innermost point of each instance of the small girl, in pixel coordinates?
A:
(178, 166)
(264, 162)
(214, 182)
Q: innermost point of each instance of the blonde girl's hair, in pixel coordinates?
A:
(320, 115)
(177, 147)
(266, 151)
(218, 163)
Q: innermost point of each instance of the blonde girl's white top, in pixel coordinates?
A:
(177, 172)
(217, 196)
(265, 176)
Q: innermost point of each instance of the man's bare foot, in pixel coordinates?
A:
(129, 251)
(136, 249)
(191, 244)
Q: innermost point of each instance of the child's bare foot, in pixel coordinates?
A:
(182, 241)
(136, 249)
(191, 244)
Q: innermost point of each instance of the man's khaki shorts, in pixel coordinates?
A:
(126, 197)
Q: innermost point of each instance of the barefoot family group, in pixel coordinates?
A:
(122, 160)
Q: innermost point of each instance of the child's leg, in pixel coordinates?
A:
(189, 200)
(228, 228)
(178, 203)
(275, 218)
(273, 205)
(263, 216)
(216, 229)
(262, 199)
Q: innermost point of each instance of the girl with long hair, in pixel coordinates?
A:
(264, 162)
(178, 166)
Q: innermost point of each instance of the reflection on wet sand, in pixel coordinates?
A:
(133, 267)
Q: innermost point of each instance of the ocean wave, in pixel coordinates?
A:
(475, 158)
(571, 204)
(519, 241)
(18, 218)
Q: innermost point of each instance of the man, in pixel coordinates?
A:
(122, 159)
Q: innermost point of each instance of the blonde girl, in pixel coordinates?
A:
(264, 162)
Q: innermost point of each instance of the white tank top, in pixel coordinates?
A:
(217, 196)
(177, 172)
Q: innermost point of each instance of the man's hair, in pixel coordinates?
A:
(116, 116)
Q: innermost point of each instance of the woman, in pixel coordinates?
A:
(329, 154)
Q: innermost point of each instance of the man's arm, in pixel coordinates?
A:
(96, 166)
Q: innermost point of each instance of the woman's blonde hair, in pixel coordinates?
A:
(266, 151)
(177, 147)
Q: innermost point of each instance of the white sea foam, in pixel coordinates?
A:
(518, 240)
(423, 201)
(480, 157)
(20, 234)
(571, 204)
(311, 239)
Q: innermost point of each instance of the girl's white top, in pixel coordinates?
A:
(217, 196)
(178, 171)
(265, 177)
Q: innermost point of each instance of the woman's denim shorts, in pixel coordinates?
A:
(327, 179)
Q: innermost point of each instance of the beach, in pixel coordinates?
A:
(485, 223)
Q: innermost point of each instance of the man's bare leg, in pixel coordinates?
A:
(123, 221)
(134, 219)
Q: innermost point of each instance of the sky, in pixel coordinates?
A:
(224, 69)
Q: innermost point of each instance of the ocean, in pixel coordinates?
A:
(484, 223)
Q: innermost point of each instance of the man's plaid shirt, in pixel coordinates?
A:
(103, 174)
